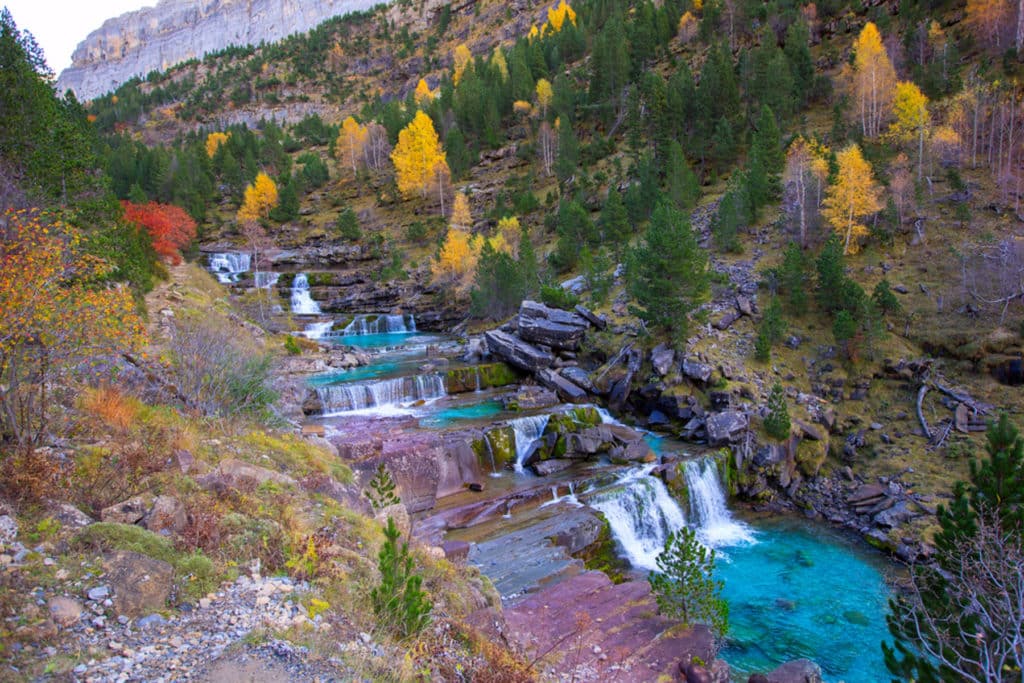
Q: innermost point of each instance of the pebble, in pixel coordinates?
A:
(99, 593)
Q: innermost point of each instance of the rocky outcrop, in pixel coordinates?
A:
(552, 327)
(155, 38)
(517, 352)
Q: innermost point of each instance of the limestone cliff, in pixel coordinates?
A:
(177, 30)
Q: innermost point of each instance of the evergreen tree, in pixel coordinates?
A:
(528, 264)
(567, 162)
(962, 622)
(459, 157)
(381, 489)
(347, 225)
(884, 299)
(767, 146)
(614, 221)
(793, 278)
(287, 208)
(399, 601)
(777, 421)
(682, 187)
(844, 330)
(667, 272)
(801, 64)
(684, 585)
(831, 274)
(733, 213)
(499, 286)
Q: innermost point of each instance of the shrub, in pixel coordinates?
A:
(398, 601)
(553, 295)
(684, 585)
(777, 422)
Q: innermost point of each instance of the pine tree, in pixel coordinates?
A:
(798, 53)
(684, 585)
(793, 278)
(831, 275)
(614, 221)
(381, 491)
(777, 421)
(667, 272)
(884, 299)
(399, 601)
(567, 162)
(682, 187)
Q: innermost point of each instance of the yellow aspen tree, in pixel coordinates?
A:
(423, 93)
(854, 195)
(260, 198)
(544, 95)
(417, 155)
(456, 261)
(989, 21)
(547, 145)
(688, 27)
(509, 235)
(534, 33)
(797, 179)
(351, 139)
(522, 108)
(558, 15)
(499, 63)
(214, 141)
(461, 59)
(461, 217)
(874, 79)
(912, 119)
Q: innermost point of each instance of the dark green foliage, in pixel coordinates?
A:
(457, 151)
(884, 299)
(643, 194)
(568, 159)
(287, 208)
(381, 489)
(597, 269)
(776, 423)
(667, 274)
(348, 225)
(314, 170)
(399, 601)
(681, 185)
(831, 274)
(614, 221)
(499, 286)
(798, 53)
(732, 215)
(528, 264)
(794, 278)
(771, 330)
(978, 552)
(767, 147)
(131, 251)
(553, 295)
(574, 229)
(684, 584)
(844, 329)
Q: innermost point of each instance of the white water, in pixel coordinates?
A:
(715, 525)
(388, 393)
(302, 301)
(527, 430)
(380, 324)
(641, 514)
(227, 266)
(265, 279)
(317, 330)
(569, 498)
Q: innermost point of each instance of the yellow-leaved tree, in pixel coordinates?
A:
(544, 95)
(214, 141)
(874, 80)
(854, 195)
(559, 14)
(260, 198)
(418, 156)
(912, 119)
(456, 262)
(423, 94)
(351, 139)
(461, 217)
(460, 60)
(508, 237)
(499, 63)
(804, 177)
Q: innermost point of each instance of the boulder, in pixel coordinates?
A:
(579, 377)
(662, 358)
(141, 585)
(726, 427)
(697, 371)
(455, 551)
(517, 352)
(130, 511)
(551, 327)
(167, 514)
(797, 671)
(457, 466)
(8, 530)
(232, 473)
(531, 398)
(567, 390)
(598, 321)
(65, 611)
(415, 462)
(545, 467)
(70, 517)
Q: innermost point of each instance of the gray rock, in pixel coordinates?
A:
(697, 371)
(141, 584)
(530, 398)
(151, 621)
(797, 671)
(545, 467)
(70, 517)
(130, 511)
(167, 514)
(517, 352)
(576, 285)
(567, 390)
(726, 427)
(598, 321)
(65, 611)
(99, 593)
(549, 326)
(662, 358)
(232, 473)
(8, 530)
(579, 377)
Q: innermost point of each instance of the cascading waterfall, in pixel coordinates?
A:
(380, 324)
(265, 279)
(708, 512)
(302, 300)
(342, 398)
(228, 266)
(527, 430)
(569, 498)
(641, 514)
(317, 330)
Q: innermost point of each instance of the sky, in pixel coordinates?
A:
(60, 25)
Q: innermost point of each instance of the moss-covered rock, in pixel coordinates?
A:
(810, 456)
(502, 444)
(486, 376)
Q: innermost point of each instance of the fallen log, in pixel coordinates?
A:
(920, 412)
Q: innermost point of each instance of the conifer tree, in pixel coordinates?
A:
(684, 585)
(777, 422)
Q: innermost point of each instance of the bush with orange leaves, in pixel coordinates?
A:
(168, 226)
(58, 320)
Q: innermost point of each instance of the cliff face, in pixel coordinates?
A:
(176, 30)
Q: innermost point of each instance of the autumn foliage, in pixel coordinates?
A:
(54, 316)
(854, 195)
(260, 198)
(168, 226)
(418, 156)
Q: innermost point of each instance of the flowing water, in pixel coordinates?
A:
(318, 330)
(527, 431)
(302, 300)
(362, 325)
(715, 525)
(446, 417)
(228, 266)
(265, 279)
(386, 393)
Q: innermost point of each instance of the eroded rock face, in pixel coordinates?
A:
(174, 31)
(551, 327)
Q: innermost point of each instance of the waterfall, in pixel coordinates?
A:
(265, 279)
(342, 398)
(302, 301)
(227, 266)
(527, 430)
(380, 324)
(641, 514)
(569, 498)
(317, 330)
(708, 512)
